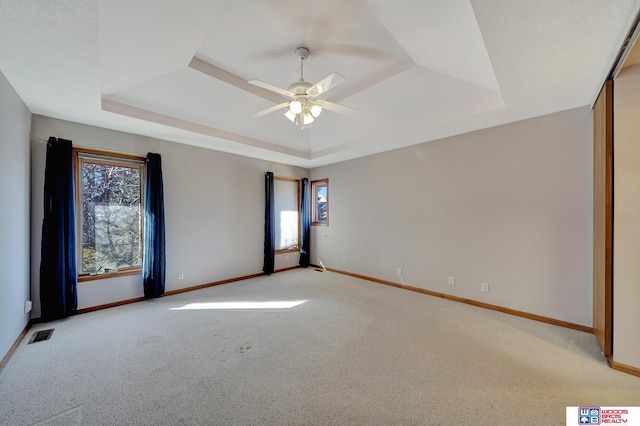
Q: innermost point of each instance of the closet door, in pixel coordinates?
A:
(603, 219)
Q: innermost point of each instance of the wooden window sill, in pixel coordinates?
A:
(122, 273)
(287, 251)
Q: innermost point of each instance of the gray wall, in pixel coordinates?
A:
(214, 208)
(15, 121)
(626, 219)
(510, 206)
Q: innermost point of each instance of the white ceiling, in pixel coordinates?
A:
(416, 70)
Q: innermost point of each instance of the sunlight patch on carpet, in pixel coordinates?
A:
(271, 304)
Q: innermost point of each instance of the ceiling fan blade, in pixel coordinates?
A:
(336, 108)
(270, 110)
(326, 84)
(272, 88)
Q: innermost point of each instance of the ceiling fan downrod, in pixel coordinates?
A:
(302, 53)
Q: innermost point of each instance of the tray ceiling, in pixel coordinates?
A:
(416, 70)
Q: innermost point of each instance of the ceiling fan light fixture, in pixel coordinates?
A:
(291, 116)
(315, 110)
(307, 118)
(295, 107)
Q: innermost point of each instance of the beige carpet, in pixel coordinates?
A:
(354, 353)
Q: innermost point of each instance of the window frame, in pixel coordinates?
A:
(314, 201)
(297, 181)
(109, 158)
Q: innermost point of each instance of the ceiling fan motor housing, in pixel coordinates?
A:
(300, 88)
(302, 53)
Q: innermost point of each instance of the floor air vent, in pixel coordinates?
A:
(39, 336)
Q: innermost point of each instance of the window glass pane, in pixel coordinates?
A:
(110, 208)
(320, 202)
(288, 230)
(287, 217)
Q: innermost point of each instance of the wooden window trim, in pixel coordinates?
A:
(105, 157)
(296, 250)
(136, 270)
(102, 154)
(314, 184)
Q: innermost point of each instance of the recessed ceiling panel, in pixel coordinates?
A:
(343, 37)
(418, 98)
(195, 97)
(441, 35)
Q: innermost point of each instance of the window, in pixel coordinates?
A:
(287, 209)
(320, 202)
(108, 213)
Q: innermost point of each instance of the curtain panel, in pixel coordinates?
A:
(58, 279)
(305, 223)
(269, 225)
(153, 251)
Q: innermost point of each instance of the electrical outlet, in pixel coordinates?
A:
(28, 305)
(398, 271)
(181, 275)
(484, 287)
(452, 280)
(344, 260)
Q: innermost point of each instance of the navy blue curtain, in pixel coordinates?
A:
(153, 250)
(58, 280)
(305, 222)
(269, 225)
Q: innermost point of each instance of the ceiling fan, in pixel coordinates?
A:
(303, 106)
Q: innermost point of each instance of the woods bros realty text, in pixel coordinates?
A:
(594, 415)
